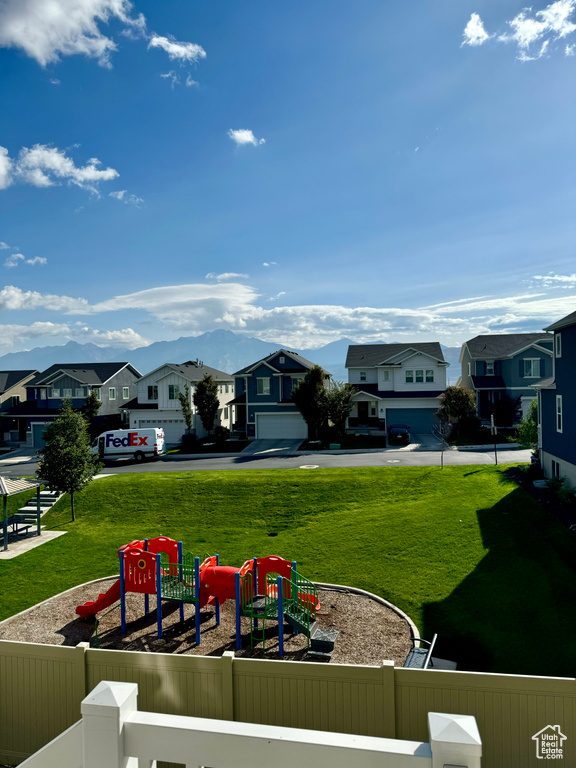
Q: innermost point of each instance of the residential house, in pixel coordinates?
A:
(157, 403)
(397, 384)
(508, 364)
(263, 406)
(557, 405)
(12, 391)
(113, 383)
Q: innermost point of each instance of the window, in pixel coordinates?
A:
(15, 399)
(489, 367)
(372, 411)
(263, 386)
(532, 368)
(66, 393)
(153, 392)
(409, 377)
(469, 369)
(98, 393)
(225, 412)
(558, 345)
(282, 360)
(79, 392)
(125, 393)
(173, 391)
(419, 377)
(429, 376)
(555, 468)
(111, 393)
(55, 393)
(295, 382)
(226, 389)
(362, 375)
(558, 413)
(385, 375)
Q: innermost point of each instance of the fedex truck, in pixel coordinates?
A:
(138, 443)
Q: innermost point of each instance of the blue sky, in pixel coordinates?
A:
(297, 172)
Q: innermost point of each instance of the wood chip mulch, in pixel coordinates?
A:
(368, 631)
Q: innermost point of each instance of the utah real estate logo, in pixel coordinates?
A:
(549, 743)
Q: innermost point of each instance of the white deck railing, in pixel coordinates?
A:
(113, 734)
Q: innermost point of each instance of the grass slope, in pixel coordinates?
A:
(463, 550)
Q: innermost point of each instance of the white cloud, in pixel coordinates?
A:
(176, 50)
(278, 295)
(269, 263)
(124, 197)
(126, 337)
(13, 298)
(226, 276)
(533, 32)
(190, 82)
(243, 136)
(12, 335)
(173, 77)
(474, 32)
(48, 30)
(36, 260)
(13, 260)
(4, 247)
(558, 281)
(55, 81)
(5, 168)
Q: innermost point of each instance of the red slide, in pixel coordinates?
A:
(104, 600)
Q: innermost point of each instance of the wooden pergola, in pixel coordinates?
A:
(9, 487)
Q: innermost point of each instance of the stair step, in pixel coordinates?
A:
(321, 655)
(300, 623)
(26, 518)
(323, 640)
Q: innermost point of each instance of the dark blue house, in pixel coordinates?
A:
(557, 405)
(263, 406)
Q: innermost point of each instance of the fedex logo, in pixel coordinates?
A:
(132, 438)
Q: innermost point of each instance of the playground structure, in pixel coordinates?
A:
(263, 589)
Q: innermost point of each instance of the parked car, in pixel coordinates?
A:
(398, 434)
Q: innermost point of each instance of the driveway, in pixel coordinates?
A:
(271, 448)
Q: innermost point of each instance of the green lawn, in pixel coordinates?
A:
(463, 550)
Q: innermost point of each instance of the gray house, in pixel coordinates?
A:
(495, 365)
(557, 405)
(113, 383)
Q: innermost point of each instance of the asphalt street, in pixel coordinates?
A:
(24, 464)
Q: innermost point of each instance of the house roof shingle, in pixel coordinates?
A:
(92, 374)
(568, 320)
(194, 370)
(377, 354)
(498, 345)
(9, 379)
(294, 355)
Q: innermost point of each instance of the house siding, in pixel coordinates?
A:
(561, 445)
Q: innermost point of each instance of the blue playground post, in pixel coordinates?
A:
(237, 596)
(159, 595)
(122, 594)
(217, 601)
(280, 617)
(255, 561)
(180, 559)
(294, 587)
(146, 600)
(197, 596)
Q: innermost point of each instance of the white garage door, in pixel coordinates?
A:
(173, 428)
(286, 425)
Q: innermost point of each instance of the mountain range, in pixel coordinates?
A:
(224, 350)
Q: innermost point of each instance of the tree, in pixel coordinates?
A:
(66, 461)
(339, 404)
(311, 400)
(506, 411)
(184, 398)
(90, 411)
(457, 408)
(528, 427)
(206, 401)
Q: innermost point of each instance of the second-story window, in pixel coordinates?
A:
(66, 393)
(55, 392)
(430, 376)
(559, 413)
(409, 377)
(153, 392)
(385, 375)
(263, 386)
(532, 368)
(79, 392)
(111, 393)
(125, 393)
(173, 391)
(489, 367)
(362, 375)
(419, 377)
(558, 345)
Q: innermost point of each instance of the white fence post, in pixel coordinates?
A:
(455, 741)
(103, 713)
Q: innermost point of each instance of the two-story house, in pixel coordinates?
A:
(12, 392)
(263, 406)
(157, 403)
(397, 384)
(113, 383)
(557, 405)
(495, 365)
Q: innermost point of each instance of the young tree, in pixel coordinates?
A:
(206, 401)
(457, 408)
(90, 410)
(339, 404)
(66, 462)
(528, 427)
(311, 400)
(506, 411)
(184, 398)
